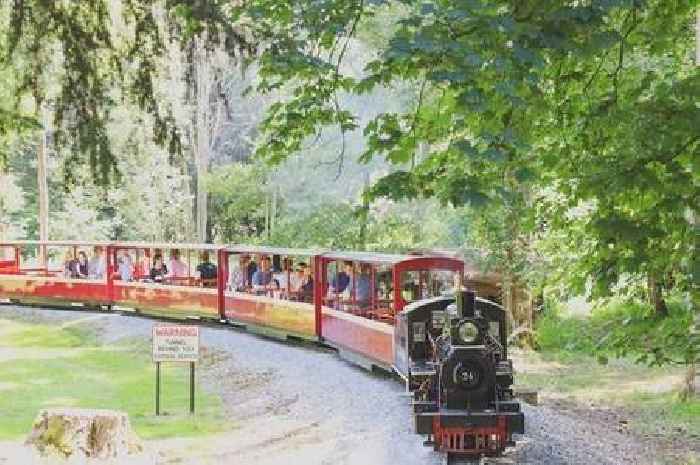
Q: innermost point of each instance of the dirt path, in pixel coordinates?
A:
(302, 405)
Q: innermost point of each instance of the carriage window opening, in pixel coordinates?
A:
(279, 277)
(384, 292)
(7, 253)
(424, 284)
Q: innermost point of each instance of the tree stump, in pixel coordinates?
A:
(83, 434)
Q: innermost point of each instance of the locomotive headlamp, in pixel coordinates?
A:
(468, 332)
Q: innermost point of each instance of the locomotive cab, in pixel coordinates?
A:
(452, 353)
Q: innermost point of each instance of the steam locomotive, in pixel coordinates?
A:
(451, 351)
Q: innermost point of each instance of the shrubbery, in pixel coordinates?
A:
(621, 328)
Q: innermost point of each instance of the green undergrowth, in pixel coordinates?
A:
(64, 367)
(620, 329)
(622, 355)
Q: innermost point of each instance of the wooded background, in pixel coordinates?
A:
(552, 142)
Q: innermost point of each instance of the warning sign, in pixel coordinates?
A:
(175, 343)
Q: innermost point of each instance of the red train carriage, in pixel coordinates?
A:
(164, 279)
(347, 299)
(358, 310)
(270, 289)
(34, 272)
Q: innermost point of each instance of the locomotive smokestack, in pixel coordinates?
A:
(468, 301)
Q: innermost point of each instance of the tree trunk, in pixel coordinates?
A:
(202, 138)
(267, 216)
(43, 191)
(509, 301)
(656, 296)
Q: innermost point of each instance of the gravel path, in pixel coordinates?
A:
(302, 404)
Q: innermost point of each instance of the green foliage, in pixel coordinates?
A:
(622, 329)
(593, 101)
(557, 333)
(331, 226)
(237, 197)
(82, 58)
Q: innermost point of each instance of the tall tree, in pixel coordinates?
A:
(209, 67)
(96, 46)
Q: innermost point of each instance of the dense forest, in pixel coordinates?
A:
(554, 142)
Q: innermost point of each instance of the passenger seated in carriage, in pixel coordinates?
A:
(262, 278)
(81, 266)
(206, 270)
(363, 288)
(158, 271)
(281, 277)
(97, 265)
(237, 278)
(296, 280)
(125, 266)
(250, 267)
(177, 268)
(70, 265)
(307, 285)
(342, 280)
(276, 291)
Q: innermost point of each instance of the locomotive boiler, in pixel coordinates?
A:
(452, 353)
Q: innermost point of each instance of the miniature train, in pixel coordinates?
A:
(378, 310)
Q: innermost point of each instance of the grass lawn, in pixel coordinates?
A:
(42, 366)
(649, 392)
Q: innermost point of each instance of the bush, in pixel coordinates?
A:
(621, 328)
(556, 333)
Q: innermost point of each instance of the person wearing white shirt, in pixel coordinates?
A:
(97, 266)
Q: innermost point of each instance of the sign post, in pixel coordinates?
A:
(157, 388)
(191, 387)
(175, 343)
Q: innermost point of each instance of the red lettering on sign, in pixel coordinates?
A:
(166, 331)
